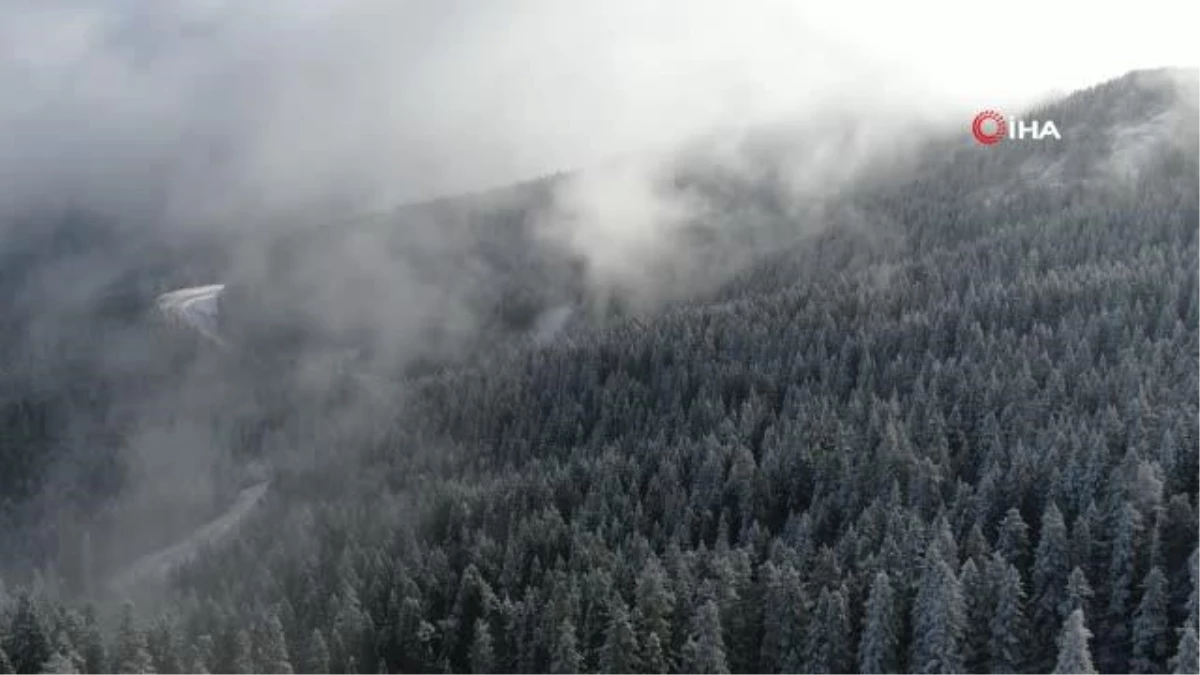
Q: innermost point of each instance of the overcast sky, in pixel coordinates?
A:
(208, 104)
(983, 50)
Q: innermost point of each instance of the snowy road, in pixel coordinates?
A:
(196, 307)
(157, 565)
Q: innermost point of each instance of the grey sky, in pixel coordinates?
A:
(212, 105)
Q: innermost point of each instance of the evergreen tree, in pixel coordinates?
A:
(1083, 545)
(620, 649)
(1008, 635)
(828, 649)
(131, 653)
(27, 643)
(412, 636)
(163, 647)
(978, 606)
(1187, 653)
(1051, 570)
(782, 645)
(877, 648)
(939, 619)
(316, 658)
(198, 663)
(482, 658)
(1121, 573)
(65, 658)
(654, 658)
(1193, 601)
(233, 651)
(60, 663)
(201, 655)
(977, 547)
(1013, 539)
(566, 657)
(272, 648)
(704, 651)
(942, 536)
(1074, 656)
(655, 609)
(593, 623)
(1078, 594)
(475, 599)
(95, 655)
(1151, 644)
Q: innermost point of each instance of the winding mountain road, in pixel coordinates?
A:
(156, 566)
(196, 308)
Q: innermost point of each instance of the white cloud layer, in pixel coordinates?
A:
(213, 107)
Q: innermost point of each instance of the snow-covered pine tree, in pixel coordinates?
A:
(1187, 652)
(877, 649)
(1051, 570)
(705, 652)
(1151, 640)
(1008, 631)
(1074, 654)
(938, 619)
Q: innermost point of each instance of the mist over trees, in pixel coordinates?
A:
(963, 440)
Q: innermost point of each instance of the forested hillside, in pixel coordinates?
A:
(78, 355)
(963, 439)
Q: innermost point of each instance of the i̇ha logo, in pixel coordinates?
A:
(990, 127)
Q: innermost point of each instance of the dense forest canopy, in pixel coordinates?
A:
(952, 429)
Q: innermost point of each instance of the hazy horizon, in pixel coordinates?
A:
(196, 110)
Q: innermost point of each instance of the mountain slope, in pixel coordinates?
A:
(1014, 361)
(982, 370)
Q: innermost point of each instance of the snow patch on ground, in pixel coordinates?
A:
(197, 307)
